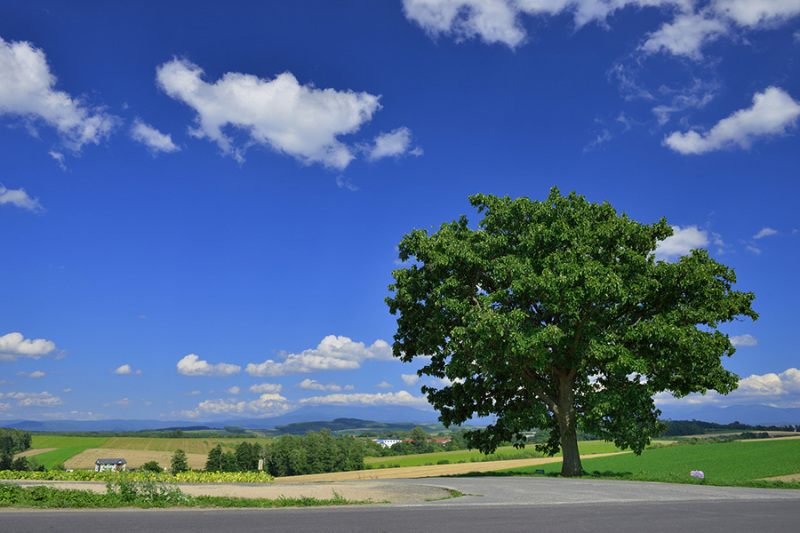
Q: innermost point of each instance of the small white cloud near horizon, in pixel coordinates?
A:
(14, 345)
(681, 242)
(332, 353)
(124, 402)
(265, 388)
(36, 374)
(773, 112)
(312, 384)
(774, 390)
(125, 370)
(744, 340)
(765, 232)
(279, 113)
(409, 379)
(19, 198)
(191, 365)
(27, 90)
(32, 399)
(383, 398)
(265, 405)
(152, 138)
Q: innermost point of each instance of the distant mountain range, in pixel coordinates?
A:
(753, 415)
(393, 415)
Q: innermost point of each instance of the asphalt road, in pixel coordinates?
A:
(495, 505)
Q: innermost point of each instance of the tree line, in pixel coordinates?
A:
(292, 455)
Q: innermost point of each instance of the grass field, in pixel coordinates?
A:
(170, 445)
(66, 447)
(508, 452)
(729, 463)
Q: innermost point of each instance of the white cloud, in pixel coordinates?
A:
(27, 89)
(193, 393)
(124, 402)
(384, 385)
(387, 398)
(333, 353)
(191, 365)
(744, 340)
(32, 399)
(772, 113)
(776, 390)
(14, 346)
(758, 13)
(265, 405)
(409, 379)
(686, 35)
(152, 138)
(125, 370)
(692, 24)
(19, 198)
(681, 242)
(299, 120)
(263, 388)
(233, 390)
(498, 21)
(59, 158)
(36, 374)
(765, 232)
(312, 384)
(392, 144)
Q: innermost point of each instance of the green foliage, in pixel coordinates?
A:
(14, 440)
(179, 462)
(146, 494)
(152, 467)
(555, 315)
(314, 453)
(183, 477)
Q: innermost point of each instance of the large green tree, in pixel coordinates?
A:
(555, 314)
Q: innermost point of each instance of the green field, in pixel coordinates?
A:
(67, 447)
(473, 456)
(728, 463)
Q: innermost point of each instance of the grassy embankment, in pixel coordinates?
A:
(738, 463)
(473, 456)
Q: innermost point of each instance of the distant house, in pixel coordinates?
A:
(387, 443)
(113, 465)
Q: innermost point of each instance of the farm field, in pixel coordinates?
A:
(80, 453)
(728, 463)
(473, 456)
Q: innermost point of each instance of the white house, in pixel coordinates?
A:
(114, 465)
(387, 443)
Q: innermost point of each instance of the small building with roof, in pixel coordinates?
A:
(112, 465)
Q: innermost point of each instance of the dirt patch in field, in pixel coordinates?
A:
(135, 458)
(426, 471)
(35, 451)
(789, 478)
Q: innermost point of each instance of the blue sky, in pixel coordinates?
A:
(200, 202)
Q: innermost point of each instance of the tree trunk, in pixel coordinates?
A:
(568, 425)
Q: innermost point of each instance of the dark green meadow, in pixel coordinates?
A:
(736, 463)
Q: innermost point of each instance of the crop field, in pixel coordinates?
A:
(82, 452)
(473, 456)
(728, 463)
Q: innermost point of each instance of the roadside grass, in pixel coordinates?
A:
(738, 463)
(473, 456)
(146, 494)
